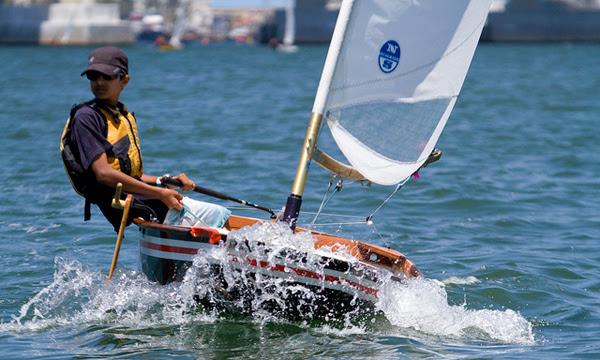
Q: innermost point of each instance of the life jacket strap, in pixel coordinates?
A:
(87, 210)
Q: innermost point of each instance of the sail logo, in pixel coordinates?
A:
(389, 56)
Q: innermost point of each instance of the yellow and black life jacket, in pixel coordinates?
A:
(126, 157)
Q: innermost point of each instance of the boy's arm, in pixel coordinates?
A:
(108, 176)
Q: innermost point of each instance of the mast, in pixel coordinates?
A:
(294, 201)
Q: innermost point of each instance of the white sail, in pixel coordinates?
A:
(396, 78)
(289, 34)
(181, 14)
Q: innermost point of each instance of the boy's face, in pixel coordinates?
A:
(107, 88)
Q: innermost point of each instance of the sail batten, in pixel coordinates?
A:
(396, 80)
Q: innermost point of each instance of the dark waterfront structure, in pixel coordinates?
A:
(314, 23)
(544, 20)
(518, 20)
(21, 24)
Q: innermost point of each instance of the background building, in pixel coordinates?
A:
(543, 20)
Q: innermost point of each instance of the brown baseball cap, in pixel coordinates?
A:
(108, 60)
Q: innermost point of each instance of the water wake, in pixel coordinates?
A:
(34, 229)
(79, 296)
(422, 304)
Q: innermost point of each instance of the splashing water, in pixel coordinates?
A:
(256, 276)
(80, 296)
(422, 304)
(419, 304)
(469, 280)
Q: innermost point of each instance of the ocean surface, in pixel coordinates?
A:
(505, 228)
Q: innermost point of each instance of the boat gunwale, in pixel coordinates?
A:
(374, 255)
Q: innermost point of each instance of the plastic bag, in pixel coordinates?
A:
(198, 213)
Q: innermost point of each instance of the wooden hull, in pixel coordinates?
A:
(336, 285)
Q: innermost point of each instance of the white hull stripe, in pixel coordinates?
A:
(186, 250)
(166, 255)
(307, 276)
(348, 276)
(171, 249)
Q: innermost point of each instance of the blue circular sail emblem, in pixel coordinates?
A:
(389, 56)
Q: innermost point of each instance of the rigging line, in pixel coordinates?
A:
(370, 217)
(338, 187)
(341, 223)
(323, 202)
(381, 237)
(337, 215)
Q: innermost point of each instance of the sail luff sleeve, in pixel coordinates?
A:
(335, 47)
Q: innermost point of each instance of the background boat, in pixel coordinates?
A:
(289, 35)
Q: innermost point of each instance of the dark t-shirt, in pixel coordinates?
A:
(88, 133)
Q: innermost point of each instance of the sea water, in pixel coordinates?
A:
(78, 296)
(504, 228)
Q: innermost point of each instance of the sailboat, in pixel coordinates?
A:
(289, 34)
(393, 72)
(180, 24)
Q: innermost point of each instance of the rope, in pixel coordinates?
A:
(339, 223)
(376, 231)
(369, 218)
(329, 193)
(326, 197)
(336, 215)
(338, 187)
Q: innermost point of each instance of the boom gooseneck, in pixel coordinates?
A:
(294, 201)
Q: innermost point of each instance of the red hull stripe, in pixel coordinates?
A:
(310, 274)
(168, 248)
(264, 264)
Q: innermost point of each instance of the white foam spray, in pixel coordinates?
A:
(246, 260)
(422, 304)
(78, 295)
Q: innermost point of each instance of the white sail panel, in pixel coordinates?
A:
(289, 34)
(396, 80)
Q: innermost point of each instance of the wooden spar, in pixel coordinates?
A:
(294, 201)
(338, 168)
(117, 203)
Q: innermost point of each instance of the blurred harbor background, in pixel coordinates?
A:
(505, 228)
(506, 224)
(91, 22)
